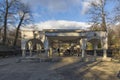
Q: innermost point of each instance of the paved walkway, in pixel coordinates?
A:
(69, 68)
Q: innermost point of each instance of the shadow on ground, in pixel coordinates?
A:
(69, 68)
(90, 70)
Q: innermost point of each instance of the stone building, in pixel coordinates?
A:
(35, 40)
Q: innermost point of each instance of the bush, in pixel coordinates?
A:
(116, 54)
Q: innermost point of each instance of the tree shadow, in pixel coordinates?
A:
(83, 71)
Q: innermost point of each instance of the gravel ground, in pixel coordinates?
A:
(69, 68)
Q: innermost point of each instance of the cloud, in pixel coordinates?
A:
(86, 5)
(53, 5)
(37, 15)
(61, 24)
(61, 5)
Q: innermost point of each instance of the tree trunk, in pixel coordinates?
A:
(104, 28)
(5, 23)
(17, 30)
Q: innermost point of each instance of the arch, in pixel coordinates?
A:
(89, 46)
(94, 39)
(34, 44)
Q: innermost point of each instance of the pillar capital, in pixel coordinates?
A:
(83, 43)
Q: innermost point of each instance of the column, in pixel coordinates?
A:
(23, 53)
(50, 52)
(23, 43)
(105, 47)
(30, 44)
(83, 42)
(46, 47)
(104, 54)
(95, 48)
(83, 53)
(30, 53)
(38, 49)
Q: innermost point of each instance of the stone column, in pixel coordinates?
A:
(50, 52)
(95, 48)
(30, 48)
(38, 49)
(23, 43)
(83, 42)
(46, 46)
(30, 53)
(23, 53)
(83, 53)
(105, 47)
(104, 54)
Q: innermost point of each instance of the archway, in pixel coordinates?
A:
(95, 44)
(34, 45)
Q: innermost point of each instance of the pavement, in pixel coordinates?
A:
(69, 68)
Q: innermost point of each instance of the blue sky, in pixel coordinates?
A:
(58, 10)
(71, 14)
(61, 11)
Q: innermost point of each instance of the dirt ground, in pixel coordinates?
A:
(69, 68)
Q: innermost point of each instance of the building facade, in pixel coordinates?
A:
(51, 39)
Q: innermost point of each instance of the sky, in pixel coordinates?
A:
(61, 13)
(57, 10)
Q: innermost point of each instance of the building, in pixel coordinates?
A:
(47, 38)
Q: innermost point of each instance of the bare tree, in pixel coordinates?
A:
(14, 13)
(116, 10)
(23, 17)
(6, 9)
(116, 21)
(111, 39)
(95, 27)
(98, 14)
